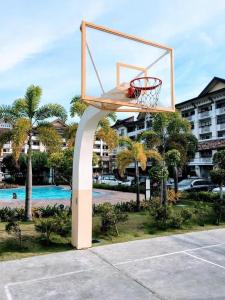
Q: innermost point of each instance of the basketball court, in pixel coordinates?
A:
(187, 266)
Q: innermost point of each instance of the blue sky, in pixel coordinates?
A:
(40, 41)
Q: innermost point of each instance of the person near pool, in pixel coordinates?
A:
(14, 196)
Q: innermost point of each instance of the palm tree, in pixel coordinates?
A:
(137, 154)
(70, 134)
(26, 117)
(104, 131)
(165, 127)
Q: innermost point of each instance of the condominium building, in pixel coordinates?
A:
(206, 112)
(131, 127)
(100, 148)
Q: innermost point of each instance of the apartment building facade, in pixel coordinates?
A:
(206, 113)
(100, 148)
(131, 127)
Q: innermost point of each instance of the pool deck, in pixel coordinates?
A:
(106, 196)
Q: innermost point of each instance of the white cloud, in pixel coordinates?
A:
(26, 33)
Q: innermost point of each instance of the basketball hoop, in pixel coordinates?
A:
(145, 90)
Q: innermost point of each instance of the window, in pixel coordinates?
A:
(188, 113)
(204, 108)
(131, 129)
(220, 104)
(199, 182)
(205, 123)
(122, 132)
(205, 136)
(149, 124)
(206, 153)
(36, 143)
(221, 133)
(220, 119)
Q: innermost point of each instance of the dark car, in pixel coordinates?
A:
(195, 185)
(142, 181)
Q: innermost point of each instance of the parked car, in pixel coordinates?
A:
(110, 180)
(170, 183)
(197, 185)
(217, 190)
(126, 182)
(142, 181)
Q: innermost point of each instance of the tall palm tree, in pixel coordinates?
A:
(26, 117)
(136, 153)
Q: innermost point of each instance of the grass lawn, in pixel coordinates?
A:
(138, 226)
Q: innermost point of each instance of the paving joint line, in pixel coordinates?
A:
(128, 276)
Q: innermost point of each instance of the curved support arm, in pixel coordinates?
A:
(82, 178)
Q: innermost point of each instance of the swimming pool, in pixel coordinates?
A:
(40, 193)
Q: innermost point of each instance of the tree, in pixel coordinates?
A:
(104, 131)
(173, 159)
(134, 153)
(26, 117)
(95, 159)
(39, 165)
(70, 134)
(62, 163)
(165, 127)
(218, 173)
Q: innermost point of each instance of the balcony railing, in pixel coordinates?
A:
(190, 118)
(205, 114)
(205, 129)
(221, 126)
(220, 111)
(201, 160)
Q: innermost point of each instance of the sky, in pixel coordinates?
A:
(40, 42)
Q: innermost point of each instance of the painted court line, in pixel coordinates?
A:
(9, 295)
(7, 286)
(205, 260)
(167, 254)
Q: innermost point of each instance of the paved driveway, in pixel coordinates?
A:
(188, 266)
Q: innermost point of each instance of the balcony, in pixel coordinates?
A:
(220, 111)
(205, 129)
(221, 126)
(190, 118)
(201, 161)
(205, 114)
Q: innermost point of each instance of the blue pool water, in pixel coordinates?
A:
(40, 193)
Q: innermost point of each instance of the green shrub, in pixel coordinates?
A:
(110, 217)
(50, 210)
(202, 213)
(129, 206)
(167, 216)
(11, 214)
(63, 221)
(14, 228)
(59, 224)
(180, 217)
(201, 196)
(219, 210)
(160, 213)
(120, 188)
(46, 226)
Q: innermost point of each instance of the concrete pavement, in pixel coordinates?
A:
(187, 266)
